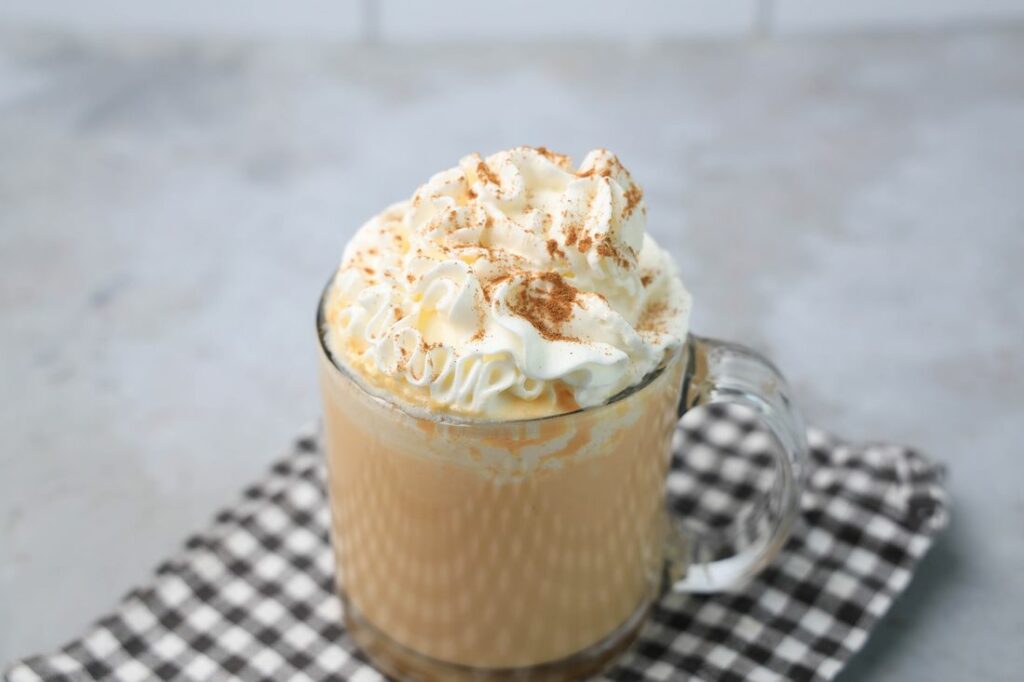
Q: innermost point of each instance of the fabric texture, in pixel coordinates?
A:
(252, 597)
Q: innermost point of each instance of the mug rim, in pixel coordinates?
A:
(450, 419)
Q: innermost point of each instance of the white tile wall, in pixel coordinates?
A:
(443, 20)
(790, 16)
(420, 21)
(327, 19)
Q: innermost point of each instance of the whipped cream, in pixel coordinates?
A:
(507, 287)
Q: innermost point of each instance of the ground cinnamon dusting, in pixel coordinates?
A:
(554, 157)
(634, 195)
(488, 286)
(603, 172)
(553, 249)
(653, 318)
(605, 169)
(646, 280)
(608, 251)
(484, 171)
(585, 244)
(572, 233)
(546, 302)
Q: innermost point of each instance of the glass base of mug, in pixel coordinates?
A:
(399, 662)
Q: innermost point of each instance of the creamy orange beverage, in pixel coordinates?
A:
(501, 366)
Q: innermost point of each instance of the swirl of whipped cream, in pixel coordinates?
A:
(508, 287)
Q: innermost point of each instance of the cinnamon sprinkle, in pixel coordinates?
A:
(484, 171)
(554, 157)
(646, 280)
(553, 249)
(605, 169)
(654, 317)
(608, 251)
(489, 286)
(427, 347)
(585, 244)
(603, 172)
(634, 195)
(572, 233)
(546, 302)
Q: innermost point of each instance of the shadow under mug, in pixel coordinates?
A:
(533, 549)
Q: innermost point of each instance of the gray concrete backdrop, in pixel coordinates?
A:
(169, 210)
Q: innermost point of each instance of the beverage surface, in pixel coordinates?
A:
(508, 287)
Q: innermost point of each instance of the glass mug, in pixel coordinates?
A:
(532, 549)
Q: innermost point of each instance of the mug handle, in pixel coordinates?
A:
(725, 372)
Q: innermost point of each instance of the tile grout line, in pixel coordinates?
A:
(764, 19)
(369, 22)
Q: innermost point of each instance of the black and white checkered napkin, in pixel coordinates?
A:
(252, 597)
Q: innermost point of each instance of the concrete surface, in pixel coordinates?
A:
(169, 211)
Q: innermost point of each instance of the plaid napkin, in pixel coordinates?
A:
(252, 598)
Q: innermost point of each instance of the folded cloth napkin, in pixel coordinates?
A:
(252, 597)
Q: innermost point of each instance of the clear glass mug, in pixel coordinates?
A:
(533, 549)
